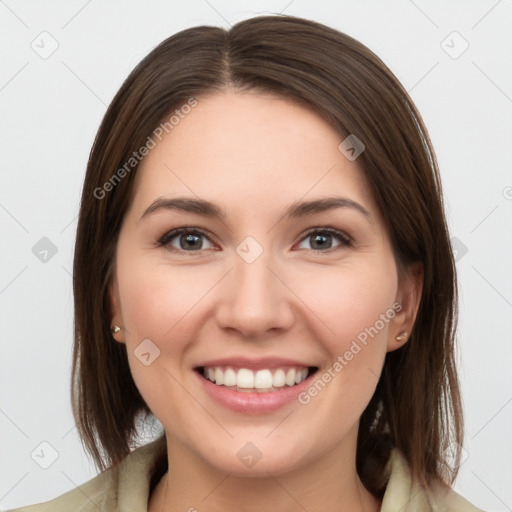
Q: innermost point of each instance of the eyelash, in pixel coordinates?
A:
(344, 239)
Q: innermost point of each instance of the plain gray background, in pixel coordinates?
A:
(51, 105)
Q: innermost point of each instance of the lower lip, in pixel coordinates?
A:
(253, 403)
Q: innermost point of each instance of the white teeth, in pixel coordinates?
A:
(279, 378)
(230, 378)
(290, 377)
(300, 376)
(219, 376)
(261, 380)
(244, 378)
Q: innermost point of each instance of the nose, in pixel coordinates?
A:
(255, 300)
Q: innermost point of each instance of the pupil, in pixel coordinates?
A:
(320, 241)
(191, 241)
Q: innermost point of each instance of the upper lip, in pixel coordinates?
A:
(253, 364)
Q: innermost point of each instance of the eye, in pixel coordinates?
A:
(323, 239)
(194, 240)
(186, 239)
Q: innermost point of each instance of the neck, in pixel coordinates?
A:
(327, 484)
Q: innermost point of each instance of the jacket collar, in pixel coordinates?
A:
(130, 484)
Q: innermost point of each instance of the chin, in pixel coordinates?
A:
(256, 458)
(256, 469)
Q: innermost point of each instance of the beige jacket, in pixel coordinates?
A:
(125, 488)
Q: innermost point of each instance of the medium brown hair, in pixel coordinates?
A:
(351, 88)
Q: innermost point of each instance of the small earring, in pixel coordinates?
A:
(115, 329)
(402, 336)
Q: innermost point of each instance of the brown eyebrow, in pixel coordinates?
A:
(301, 209)
(297, 209)
(185, 204)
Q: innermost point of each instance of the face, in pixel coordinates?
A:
(254, 290)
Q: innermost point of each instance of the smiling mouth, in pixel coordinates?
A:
(266, 380)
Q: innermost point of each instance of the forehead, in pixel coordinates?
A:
(249, 150)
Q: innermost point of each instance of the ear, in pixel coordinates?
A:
(410, 288)
(115, 308)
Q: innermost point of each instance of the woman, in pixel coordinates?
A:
(263, 264)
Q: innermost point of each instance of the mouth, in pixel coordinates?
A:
(263, 380)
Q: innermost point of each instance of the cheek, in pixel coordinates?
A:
(352, 305)
(158, 304)
(349, 298)
(157, 299)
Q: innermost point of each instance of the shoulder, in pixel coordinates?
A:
(446, 500)
(404, 494)
(84, 498)
(126, 483)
